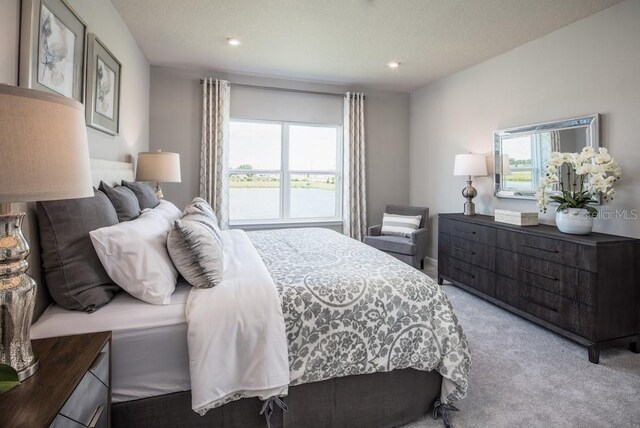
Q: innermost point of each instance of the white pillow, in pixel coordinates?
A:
(167, 210)
(400, 225)
(134, 254)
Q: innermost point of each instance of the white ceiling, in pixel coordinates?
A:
(343, 41)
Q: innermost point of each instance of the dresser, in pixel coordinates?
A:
(584, 287)
(71, 388)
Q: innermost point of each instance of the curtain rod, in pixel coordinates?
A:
(274, 88)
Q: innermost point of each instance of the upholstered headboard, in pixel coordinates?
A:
(111, 172)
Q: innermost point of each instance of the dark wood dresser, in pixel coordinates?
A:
(584, 287)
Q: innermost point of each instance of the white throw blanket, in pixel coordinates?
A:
(236, 332)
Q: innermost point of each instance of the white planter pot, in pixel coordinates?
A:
(576, 221)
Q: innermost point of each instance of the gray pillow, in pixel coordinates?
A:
(195, 247)
(123, 200)
(73, 273)
(146, 195)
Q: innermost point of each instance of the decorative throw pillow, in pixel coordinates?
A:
(195, 245)
(123, 200)
(400, 225)
(196, 251)
(203, 206)
(73, 273)
(146, 195)
(134, 254)
(200, 207)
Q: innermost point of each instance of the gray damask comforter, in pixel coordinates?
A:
(350, 309)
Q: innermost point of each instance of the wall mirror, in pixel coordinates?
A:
(521, 153)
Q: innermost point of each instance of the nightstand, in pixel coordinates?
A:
(71, 389)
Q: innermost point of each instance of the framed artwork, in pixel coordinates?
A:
(103, 87)
(52, 42)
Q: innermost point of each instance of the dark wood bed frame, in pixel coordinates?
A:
(375, 400)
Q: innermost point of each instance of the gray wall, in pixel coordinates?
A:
(101, 18)
(175, 126)
(590, 66)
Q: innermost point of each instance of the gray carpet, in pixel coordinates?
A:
(523, 375)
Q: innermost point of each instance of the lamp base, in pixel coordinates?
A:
(17, 298)
(159, 193)
(469, 208)
(469, 192)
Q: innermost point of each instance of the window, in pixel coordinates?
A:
(284, 172)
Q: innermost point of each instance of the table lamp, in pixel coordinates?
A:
(44, 155)
(471, 165)
(158, 167)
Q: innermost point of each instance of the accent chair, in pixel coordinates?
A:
(411, 249)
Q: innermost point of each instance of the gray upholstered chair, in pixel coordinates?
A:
(410, 250)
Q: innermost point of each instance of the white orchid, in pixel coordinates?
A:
(587, 175)
(556, 159)
(588, 150)
(585, 168)
(603, 157)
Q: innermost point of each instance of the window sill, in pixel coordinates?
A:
(284, 224)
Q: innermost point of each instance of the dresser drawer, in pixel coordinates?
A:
(468, 274)
(549, 249)
(509, 290)
(469, 251)
(100, 420)
(568, 314)
(100, 367)
(89, 400)
(472, 232)
(64, 422)
(570, 282)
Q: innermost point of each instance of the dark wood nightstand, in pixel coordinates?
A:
(72, 387)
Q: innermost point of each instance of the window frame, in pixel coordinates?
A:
(285, 174)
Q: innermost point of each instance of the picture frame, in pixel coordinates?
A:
(52, 47)
(103, 87)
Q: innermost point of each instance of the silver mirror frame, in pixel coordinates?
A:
(591, 123)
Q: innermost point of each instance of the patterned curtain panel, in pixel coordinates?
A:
(214, 148)
(355, 189)
(555, 140)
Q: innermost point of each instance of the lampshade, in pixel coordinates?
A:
(506, 167)
(44, 154)
(161, 167)
(470, 164)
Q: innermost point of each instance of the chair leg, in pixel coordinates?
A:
(422, 264)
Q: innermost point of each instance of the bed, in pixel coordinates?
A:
(371, 341)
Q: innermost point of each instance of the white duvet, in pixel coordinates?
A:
(236, 332)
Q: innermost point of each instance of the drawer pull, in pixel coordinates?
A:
(96, 416)
(97, 362)
(465, 272)
(465, 251)
(541, 249)
(472, 232)
(466, 231)
(542, 305)
(553, 278)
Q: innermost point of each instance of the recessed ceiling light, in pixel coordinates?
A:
(393, 64)
(233, 41)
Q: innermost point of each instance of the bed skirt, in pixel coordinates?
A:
(374, 400)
